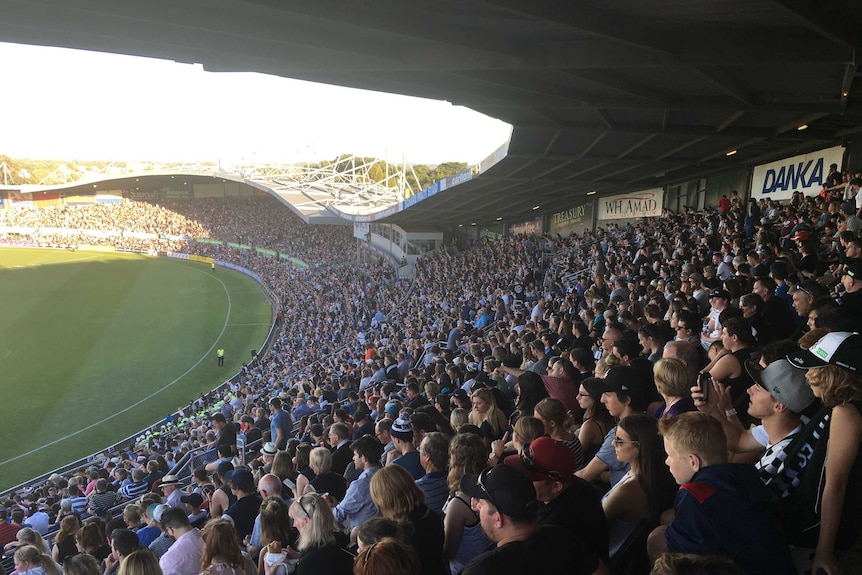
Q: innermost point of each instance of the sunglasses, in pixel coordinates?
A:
(480, 481)
(530, 464)
(802, 288)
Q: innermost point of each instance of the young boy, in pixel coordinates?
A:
(721, 508)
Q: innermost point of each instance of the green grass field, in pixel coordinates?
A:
(97, 346)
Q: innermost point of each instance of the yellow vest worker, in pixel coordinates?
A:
(220, 354)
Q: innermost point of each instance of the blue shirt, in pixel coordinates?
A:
(281, 420)
(435, 485)
(357, 506)
(410, 462)
(608, 456)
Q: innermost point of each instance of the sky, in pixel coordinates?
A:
(73, 104)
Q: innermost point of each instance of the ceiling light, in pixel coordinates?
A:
(536, 208)
(802, 127)
(500, 219)
(460, 225)
(730, 153)
(845, 93)
(591, 193)
(472, 223)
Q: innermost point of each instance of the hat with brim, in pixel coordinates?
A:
(544, 459)
(783, 382)
(170, 480)
(506, 488)
(193, 499)
(269, 448)
(841, 348)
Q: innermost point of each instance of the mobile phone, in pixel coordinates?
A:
(703, 380)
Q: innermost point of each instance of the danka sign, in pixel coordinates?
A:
(805, 173)
(643, 204)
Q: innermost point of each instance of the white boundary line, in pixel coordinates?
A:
(150, 396)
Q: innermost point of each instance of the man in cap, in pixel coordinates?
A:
(851, 299)
(405, 453)
(505, 501)
(193, 503)
(777, 398)
(160, 545)
(718, 300)
(567, 501)
(247, 505)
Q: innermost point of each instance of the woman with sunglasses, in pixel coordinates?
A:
(648, 488)
(597, 420)
(320, 548)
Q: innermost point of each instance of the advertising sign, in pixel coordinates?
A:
(805, 173)
(574, 219)
(643, 204)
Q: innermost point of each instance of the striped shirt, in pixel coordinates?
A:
(135, 490)
(436, 489)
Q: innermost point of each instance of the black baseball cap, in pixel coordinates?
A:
(509, 490)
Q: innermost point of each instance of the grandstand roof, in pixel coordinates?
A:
(607, 95)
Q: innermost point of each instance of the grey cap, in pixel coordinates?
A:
(783, 382)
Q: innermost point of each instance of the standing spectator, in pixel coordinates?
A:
(281, 424)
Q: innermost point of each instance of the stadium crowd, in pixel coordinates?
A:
(678, 394)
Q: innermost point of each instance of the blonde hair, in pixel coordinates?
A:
(697, 433)
(320, 460)
(395, 493)
(527, 429)
(672, 376)
(838, 385)
(140, 562)
(605, 364)
(495, 418)
(320, 530)
(35, 556)
(458, 417)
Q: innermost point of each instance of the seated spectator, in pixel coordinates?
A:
(434, 457)
(622, 397)
(647, 489)
(221, 552)
(673, 384)
(325, 479)
(830, 498)
(185, 555)
(567, 501)
(357, 505)
(320, 548)
(404, 453)
(463, 535)
(398, 498)
(30, 560)
(507, 506)
(385, 557)
(721, 508)
(559, 425)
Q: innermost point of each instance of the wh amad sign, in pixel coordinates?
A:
(645, 204)
(806, 173)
